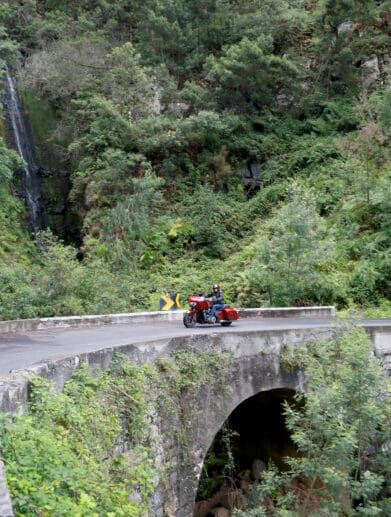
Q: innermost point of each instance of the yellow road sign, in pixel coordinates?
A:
(168, 303)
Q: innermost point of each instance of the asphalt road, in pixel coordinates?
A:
(21, 350)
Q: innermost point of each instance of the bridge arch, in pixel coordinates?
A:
(257, 367)
(253, 435)
(254, 374)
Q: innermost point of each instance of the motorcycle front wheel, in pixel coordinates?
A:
(189, 320)
(226, 323)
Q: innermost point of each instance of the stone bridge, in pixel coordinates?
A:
(255, 367)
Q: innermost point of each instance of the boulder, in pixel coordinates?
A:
(370, 72)
(257, 467)
(220, 512)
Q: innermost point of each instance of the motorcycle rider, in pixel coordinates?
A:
(217, 297)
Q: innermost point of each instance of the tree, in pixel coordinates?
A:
(346, 33)
(8, 48)
(287, 262)
(62, 68)
(248, 77)
(103, 149)
(211, 215)
(128, 226)
(129, 85)
(183, 34)
(364, 211)
(340, 427)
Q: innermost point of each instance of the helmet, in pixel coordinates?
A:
(216, 287)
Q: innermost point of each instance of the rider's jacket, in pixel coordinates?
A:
(217, 297)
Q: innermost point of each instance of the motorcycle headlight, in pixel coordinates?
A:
(193, 304)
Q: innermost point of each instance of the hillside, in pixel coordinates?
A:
(156, 114)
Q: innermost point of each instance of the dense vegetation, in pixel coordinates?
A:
(70, 455)
(93, 450)
(340, 428)
(156, 108)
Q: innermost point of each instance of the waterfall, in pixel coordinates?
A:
(23, 145)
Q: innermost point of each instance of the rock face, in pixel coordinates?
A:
(257, 467)
(376, 70)
(41, 183)
(252, 177)
(60, 217)
(370, 72)
(220, 504)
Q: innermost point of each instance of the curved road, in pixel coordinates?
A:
(21, 350)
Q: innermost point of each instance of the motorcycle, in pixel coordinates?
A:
(199, 312)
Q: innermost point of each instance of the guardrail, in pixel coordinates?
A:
(29, 325)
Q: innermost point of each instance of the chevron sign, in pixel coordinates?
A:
(170, 302)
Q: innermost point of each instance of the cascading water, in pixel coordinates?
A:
(23, 145)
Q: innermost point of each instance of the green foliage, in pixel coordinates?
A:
(128, 228)
(15, 242)
(182, 35)
(42, 118)
(213, 216)
(339, 43)
(69, 447)
(106, 169)
(219, 464)
(8, 48)
(340, 433)
(9, 160)
(128, 83)
(249, 77)
(196, 369)
(184, 380)
(157, 109)
(382, 311)
(287, 266)
(104, 126)
(66, 286)
(16, 295)
(57, 283)
(89, 449)
(364, 217)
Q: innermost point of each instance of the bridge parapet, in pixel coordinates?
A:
(144, 317)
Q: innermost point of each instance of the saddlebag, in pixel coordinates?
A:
(230, 313)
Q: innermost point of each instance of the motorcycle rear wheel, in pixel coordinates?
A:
(189, 320)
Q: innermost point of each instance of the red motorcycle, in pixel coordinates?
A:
(199, 312)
